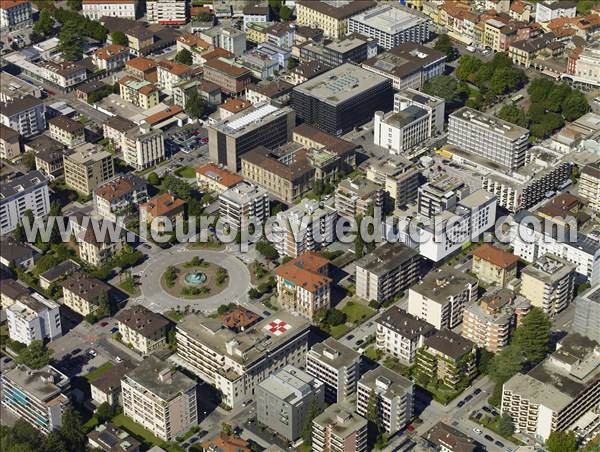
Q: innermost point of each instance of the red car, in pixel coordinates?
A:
(410, 427)
(104, 324)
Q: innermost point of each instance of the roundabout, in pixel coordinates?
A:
(197, 282)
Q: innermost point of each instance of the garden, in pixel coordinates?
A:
(194, 279)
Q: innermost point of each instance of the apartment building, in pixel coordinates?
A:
(255, 14)
(83, 293)
(400, 334)
(342, 98)
(549, 283)
(556, 393)
(142, 69)
(587, 314)
(10, 143)
(304, 285)
(120, 196)
(142, 329)
(38, 396)
(261, 125)
(26, 115)
(331, 18)
(277, 92)
(210, 92)
(28, 192)
(487, 136)
(213, 178)
(67, 131)
(546, 11)
(448, 357)
(171, 73)
(339, 429)
(285, 399)
(386, 271)
(314, 138)
(523, 52)
(94, 249)
(583, 66)
(124, 9)
(393, 395)
(160, 209)
(15, 14)
(390, 26)
(167, 12)
(307, 226)
(11, 291)
(589, 185)
(160, 399)
(440, 194)
(358, 197)
(353, 48)
(244, 204)
(33, 318)
(337, 366)
(111, 58)
(140, 93)
(12, 87)
(88, 167)
(65, 74)
(233, 40)
(306, 70)
(577, 248)
(50, 162)
(408, 65)
(493, 265)
(231, 77)
(195, 45)
(441, 296)
(434, 106)
(235, 362)
(399, 177)
(444, 437)
(402, 131)
(143, 147)
(490, 321)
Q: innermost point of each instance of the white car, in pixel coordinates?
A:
(118, 359)
(477, 430)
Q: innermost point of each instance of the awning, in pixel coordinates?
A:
(460, 38)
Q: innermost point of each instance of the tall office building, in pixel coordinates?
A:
(487, 136)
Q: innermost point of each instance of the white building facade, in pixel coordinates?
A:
(32, 318)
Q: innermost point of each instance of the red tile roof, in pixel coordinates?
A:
(220, 175)
(235, 105)
(496, 256)
(304, 271)
(162, 205)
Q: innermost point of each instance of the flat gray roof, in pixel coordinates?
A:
(334, 353)
(290, 384)
(387, 382)
(444, 283)
(342, 419)
(44, 384)
(388, 19)
(386, 258)
(341, 84)
(492, 123)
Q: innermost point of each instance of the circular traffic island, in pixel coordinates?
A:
(195, 279)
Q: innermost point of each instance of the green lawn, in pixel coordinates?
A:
(187, 172)
(99, 371)
(339, 330)
(129, 287)
(123, 421)
(175, 316)
(372, 353)
(357, 312)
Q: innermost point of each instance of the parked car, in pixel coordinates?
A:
(489, 438)
(477, 391)
(119, 359)
(499, 444)
(460, 404)
(92, 352)
(477, 430)
(103, 323)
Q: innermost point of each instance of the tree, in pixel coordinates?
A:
(561, 442)
(292, 63)
(194, 105)
(506, 427)
(28, 160)
(285, 13)
(267, 250)
(533, 335)
(359, 244)
(70, 42)
(467, 67)
(24, 432)
(448, 88)
(335, 317)
(505, 364)
(72, 430)
(371, 413)
(313, 412)
(75, 5)
(575, 106)
(539, 89)
(35, 355)
(104, 412)
(54, 443)
(120, 38)
(44, 24)
(153, 179)
(512, 113)
(227, 428)
(444, 45)
(184, 56)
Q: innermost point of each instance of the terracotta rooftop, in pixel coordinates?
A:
(222, 176)
(7, 4)
(165, 114)
(218, 52)
(226, 443)
(162, 205)
(227, 68)
(496, 256)
(304, 271)
(111, 50)
(116, 188)
(518, 7)
(142, 64)
(235, 105)
(193, 41)
(239, 319)
(174, 68)
(147, 89)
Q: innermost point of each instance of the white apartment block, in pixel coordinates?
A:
(589, 186)
(170, 74)
(143, 148)
(233, 41)
(167, 12)
(587, 66)
(95, 9)
(120, 196)
(400, 132)
(22, 193)
(487, 136)
(243, 204)
(32, 318)
(393, 395)
(549, 283)
(160, 399)
(111, 58)
(400, 334)
(390, 26)
(447, 232)
(546, 11)
(434, 106)
(26, 115)
(337, 366)
(440, 298)
(235, 363)
(556, 393)
(64, 74)
(306, 226)
(37, 396)
(15, 14)
(530, 244)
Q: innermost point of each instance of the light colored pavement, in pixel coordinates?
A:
(155, 298)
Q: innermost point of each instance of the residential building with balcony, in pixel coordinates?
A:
(67, 131)
(33, 318)
(143, 147)
(26, 115)
(140, 93)
(20, 194)
(111, 58)
(88, 167)
(15, 14)
(160, 209)
(493, 265)
(120, 196)
(167, 12)
(142, 329)
(589, 185)
(339, 429)
(440, 194)
(357, 197)
(587, 314)
(244, 204)
(399, 177)
(83, 293)
(211, 177)
(10, 143)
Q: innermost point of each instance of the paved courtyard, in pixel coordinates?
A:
(155, 298)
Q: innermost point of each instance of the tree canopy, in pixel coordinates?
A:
(35, 355)
(533, 336)
(70, 42)
(560, 441)
(444, 44)
(448, 88)
(195, 105)
(45, 24)
(120, 38)
(184, 56)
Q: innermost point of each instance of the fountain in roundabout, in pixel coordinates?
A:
(195, 278)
